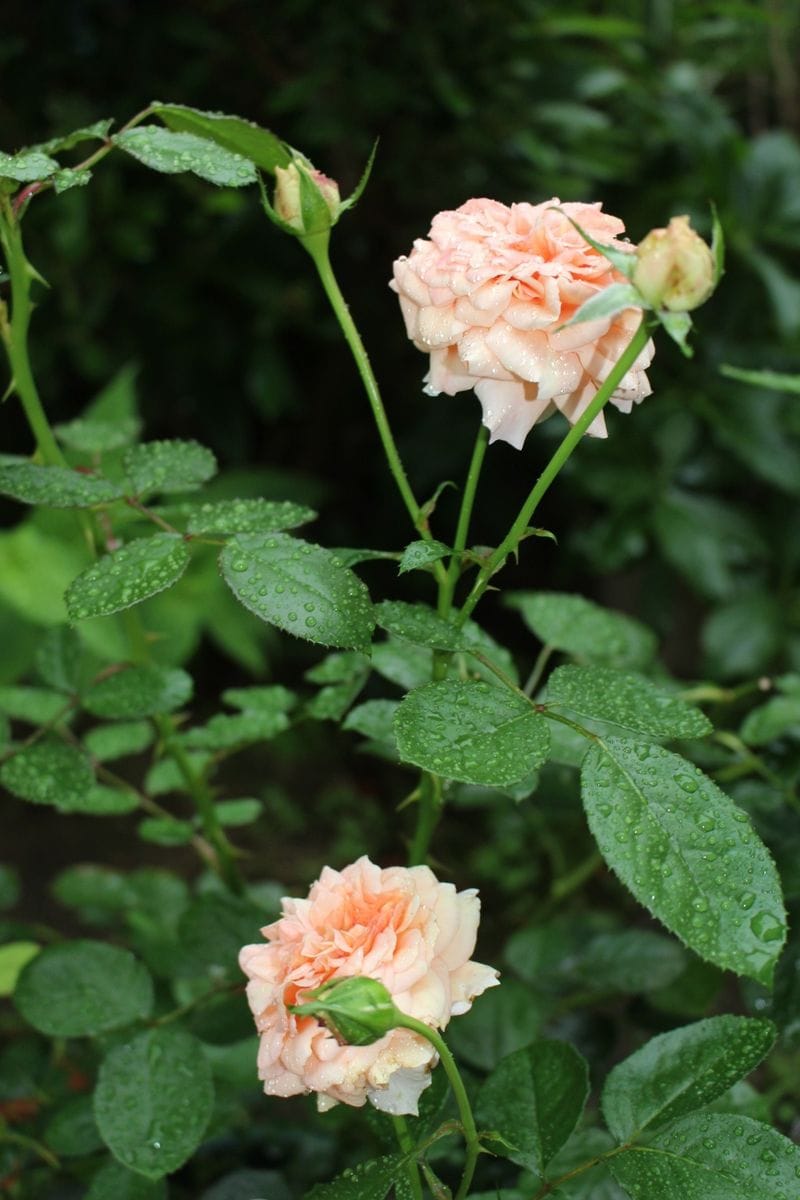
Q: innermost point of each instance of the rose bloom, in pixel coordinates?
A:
(486, 297)
(398, 925)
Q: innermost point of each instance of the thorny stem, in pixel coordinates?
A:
(460, 1093)
(549, 474)
(447, 587)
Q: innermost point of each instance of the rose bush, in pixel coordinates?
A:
(398, 925)
(488, 295)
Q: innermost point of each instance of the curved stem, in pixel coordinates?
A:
(15, 335)
(548, 475)
(406, 1144)
(460, 1094)
(448, 586)
(318, 249)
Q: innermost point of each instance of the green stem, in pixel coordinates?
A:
(429, 810)
(461, 1098)
(406, 1144)
(448, 586)
(548, 475)
(28, 1143)
(535, 676)
(15, 335)
(318, 249)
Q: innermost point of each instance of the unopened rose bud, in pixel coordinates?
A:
(674, 268)
(358, 1011)
(305, 198)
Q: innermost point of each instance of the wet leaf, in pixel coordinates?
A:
(83, 988)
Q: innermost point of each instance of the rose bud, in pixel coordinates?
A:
(306, 199)
(357, 1010)
(675, 267)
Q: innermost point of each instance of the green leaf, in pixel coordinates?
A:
(97, 132)
(366, 1181)
(115, 1182)
(418, 623)
(56, 487)
(268, 700)
(96, 435)
(773, 380)
(165, 831)
(139, 692)
(166, 775)
(374, 719)
(248, 516)
(34, 706)
(629, 701)
(233, 133)
(173, 153)
(70, 178)
(213, 930)
(402, 663)
(95, 892)
(101, 801)
(224, 732)
(153, 1100)
(607, 303)
(419, 555)
(585, 630)
(471, 732)
(58, 658)
(13, 957)
(345, 673)
(778, 717)
(630, 960)
(139, 570)
(83, 988)
(711, 1156)
(299, 587)
(27, 167)
(107, 742)
(48, 772)
(168, 466)
(680, 1071)
(687, 853)
(238, 812)
(534, 1099)
(708, 541)
(72, 1131)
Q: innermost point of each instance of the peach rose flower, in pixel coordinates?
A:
(398, 925)
(486, 295)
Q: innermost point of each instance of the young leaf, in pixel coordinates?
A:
(534, 1099)
(606, 303)
(165, 831)
(48, 772)
(710, 1156)
(140, 569)
(272, 699)
(248, 516)
(58, 658)
(233, 133)
(107, 742)
(687, 853)
(680, 1071)
(238, 812)
(27, 167)
(139, 692)
(97, 132)
(83, 988)
(778, 717)
(101, 801)
(678, 325)
(97, 435)
(472, 732)
(56, 487)
(630, 701)
(153, 1100)
(173, 153)
(418, 555)
(224, 732)
(374, 719)
(35, 706)
(418, 623)
(585, 630)
(300, 587)
(168, 466)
